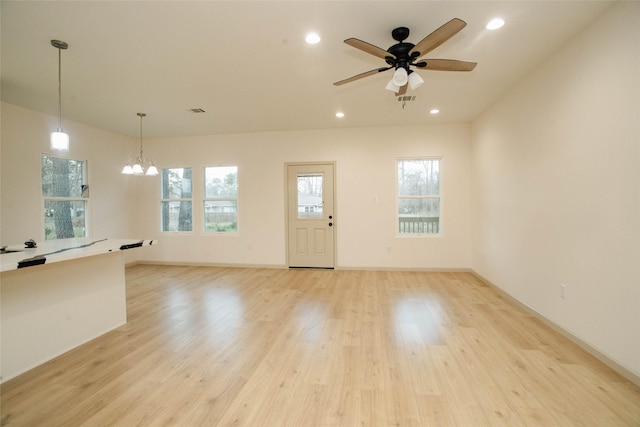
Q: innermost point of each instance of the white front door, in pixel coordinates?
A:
(310, 215)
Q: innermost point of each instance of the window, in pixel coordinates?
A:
(221, 199)
(310, 198)
(177, 199)
(419, 196)
(65, 196)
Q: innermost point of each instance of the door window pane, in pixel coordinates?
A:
(310, 200)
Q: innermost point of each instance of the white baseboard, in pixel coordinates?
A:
(611, 363)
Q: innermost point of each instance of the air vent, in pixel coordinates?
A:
(406, 98)
(196, 110)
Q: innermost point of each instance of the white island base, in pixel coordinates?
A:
(49, 309)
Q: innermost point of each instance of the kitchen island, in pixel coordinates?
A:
(58, 296)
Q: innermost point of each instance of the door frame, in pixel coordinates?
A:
(286, 206)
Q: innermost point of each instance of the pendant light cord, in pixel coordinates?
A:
(141, 115)
(140, 138)
(59, 89)
(59, 45)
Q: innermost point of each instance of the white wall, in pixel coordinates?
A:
(556, 188)
(129, 206)
(25, 137)
(365, 168)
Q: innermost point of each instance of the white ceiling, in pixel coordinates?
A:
(246, 62)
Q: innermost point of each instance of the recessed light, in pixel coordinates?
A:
(434, 111)
(312, 38)
(495, 23)
(339, 114)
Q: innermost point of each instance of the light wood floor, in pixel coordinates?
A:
(275, 347)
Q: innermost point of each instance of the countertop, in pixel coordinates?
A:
(64, 250)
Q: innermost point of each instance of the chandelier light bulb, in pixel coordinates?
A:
(152, 170)
(137, 168)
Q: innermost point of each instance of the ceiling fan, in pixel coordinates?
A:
(403, 55)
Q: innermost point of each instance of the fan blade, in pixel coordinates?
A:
(438, 37)
(361, 75)
(448, 65)
(368, 48)
(402, 90)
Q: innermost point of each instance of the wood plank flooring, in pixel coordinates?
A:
(274, 347)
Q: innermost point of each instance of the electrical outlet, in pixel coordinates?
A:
(563, 291)
(389, 248)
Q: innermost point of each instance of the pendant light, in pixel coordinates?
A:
(138, 166)
(59, 139)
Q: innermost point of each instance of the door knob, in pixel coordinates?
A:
(330, 224)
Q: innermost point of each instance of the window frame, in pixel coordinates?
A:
(438, 197)
(180, 199)
(86, 200)
(206, 199)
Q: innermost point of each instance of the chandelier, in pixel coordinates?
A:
(140, 165)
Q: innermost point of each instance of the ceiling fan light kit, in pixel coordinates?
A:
(403, 55)
(415, 81)
(400, 77)
(392, 87)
